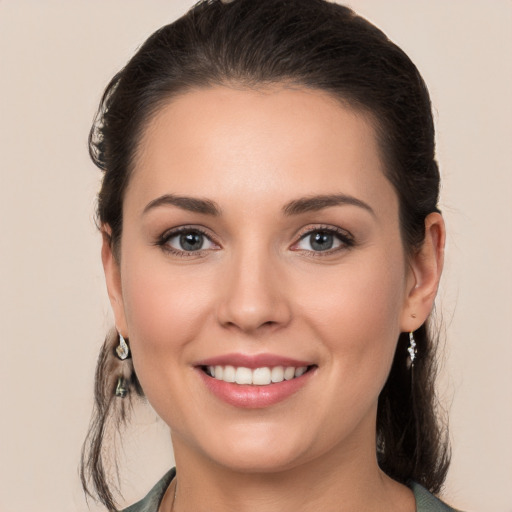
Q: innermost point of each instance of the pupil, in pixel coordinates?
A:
(191, 241)
(321, 241)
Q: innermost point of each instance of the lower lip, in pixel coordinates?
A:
(254, 397)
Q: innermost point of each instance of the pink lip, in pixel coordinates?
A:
(252, 361)
(253, 396)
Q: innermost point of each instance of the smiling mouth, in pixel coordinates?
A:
(263, 376)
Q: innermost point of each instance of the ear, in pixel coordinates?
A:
(113, 280)
(425, 268)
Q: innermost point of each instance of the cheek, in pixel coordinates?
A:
(165, 308)
(357, 314)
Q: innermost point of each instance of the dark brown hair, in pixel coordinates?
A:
(306, 43)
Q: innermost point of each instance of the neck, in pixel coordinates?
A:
(340, 481)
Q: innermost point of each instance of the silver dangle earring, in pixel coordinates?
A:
(121, 390)
(122, 350)
(412, 348)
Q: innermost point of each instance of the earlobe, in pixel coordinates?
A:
(113, 280)
(426, 266)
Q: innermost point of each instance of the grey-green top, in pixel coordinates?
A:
(425, 501)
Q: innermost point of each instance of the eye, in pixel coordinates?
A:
(186, 240)
(324, 240)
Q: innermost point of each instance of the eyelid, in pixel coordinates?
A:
(324, 227)
(343, 235)
(346, 238)
(164, 238)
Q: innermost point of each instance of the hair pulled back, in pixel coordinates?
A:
(307, 43)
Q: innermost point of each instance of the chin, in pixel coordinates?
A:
(258, 461)
(265, 451)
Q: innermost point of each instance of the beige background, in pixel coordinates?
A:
(55, 59)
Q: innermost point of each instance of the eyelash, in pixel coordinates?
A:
(346, 239)
(163, 241)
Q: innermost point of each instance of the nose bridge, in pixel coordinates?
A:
(254, 295)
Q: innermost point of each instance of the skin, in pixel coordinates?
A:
(259, 287)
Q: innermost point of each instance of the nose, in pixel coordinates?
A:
(254, 294)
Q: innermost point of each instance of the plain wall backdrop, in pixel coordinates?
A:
(56, 57)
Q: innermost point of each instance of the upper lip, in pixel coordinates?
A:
(252, 361)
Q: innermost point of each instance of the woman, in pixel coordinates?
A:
(272, 248)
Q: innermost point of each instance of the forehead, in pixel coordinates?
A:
(228, 141)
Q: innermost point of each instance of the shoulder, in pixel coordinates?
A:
(426, 501)
(152, 500)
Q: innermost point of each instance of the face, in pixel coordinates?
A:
(261, 234)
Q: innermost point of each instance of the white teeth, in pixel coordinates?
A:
(243, 375)
(289, 373)
(258, 377)
(298, 372)
(229, 374)
(261, 376)
(277, 374)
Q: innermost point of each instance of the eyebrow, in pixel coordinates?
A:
(295, 207)
(190, 204)
(316, 203)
